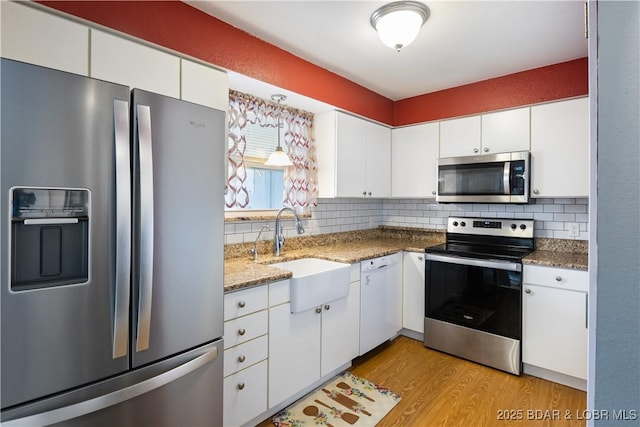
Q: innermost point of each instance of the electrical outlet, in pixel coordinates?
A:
(573, 229)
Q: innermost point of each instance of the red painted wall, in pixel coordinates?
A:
(179, 27)
(564, 80)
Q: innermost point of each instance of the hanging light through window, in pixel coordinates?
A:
(399, 23)
(278, 157)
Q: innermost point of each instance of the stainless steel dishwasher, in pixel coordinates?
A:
(380, 300)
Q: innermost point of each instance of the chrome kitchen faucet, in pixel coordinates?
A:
(278, 238)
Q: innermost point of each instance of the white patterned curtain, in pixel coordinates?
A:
(300, 180)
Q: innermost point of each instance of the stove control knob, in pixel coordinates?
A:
(462, 224)
(523, 227)
(513, 226)
(455, 223)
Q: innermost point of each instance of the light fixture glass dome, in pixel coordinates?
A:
(399, 23)
(278, 157)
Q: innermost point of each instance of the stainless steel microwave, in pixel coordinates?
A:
(494, 178)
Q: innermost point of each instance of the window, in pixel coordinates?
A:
(252, 137)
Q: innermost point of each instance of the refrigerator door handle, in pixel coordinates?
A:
(123, 229)
(118, 396)
(145, 285)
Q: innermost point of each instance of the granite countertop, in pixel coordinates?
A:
(242, 272)
(576, 261)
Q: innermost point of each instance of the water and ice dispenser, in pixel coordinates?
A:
(49, 237)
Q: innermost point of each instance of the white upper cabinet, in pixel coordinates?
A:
(354, 156)
(460, 137)
(500, 132)
(33, 36)
(204, 85)
(119, 60)
(506, 131)
(560, 149)
(414, 153)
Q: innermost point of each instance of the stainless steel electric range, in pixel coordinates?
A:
(473, 290)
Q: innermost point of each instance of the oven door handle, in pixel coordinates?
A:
(490, 263)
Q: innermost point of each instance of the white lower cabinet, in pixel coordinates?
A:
(554, 326)
(413, 291)
(245, 395)
(305, 346)
(245, 355)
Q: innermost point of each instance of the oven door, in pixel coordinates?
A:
(480, 294)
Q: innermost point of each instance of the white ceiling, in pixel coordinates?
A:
(462, 41)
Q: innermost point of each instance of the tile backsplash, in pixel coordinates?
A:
(551, 216)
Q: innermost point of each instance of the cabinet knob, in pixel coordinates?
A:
(241, 386)
(486, 149)
(318, 310)
(527, 291)
(242, 304)
(536, 191)
(364, 193)
(327, 307)
(369, 193)
(242, 331)
(433, 192)
(475, 150)
(420, 258)
(242, 358)
(558, 279)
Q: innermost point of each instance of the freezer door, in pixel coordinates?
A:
(178, 226)
(59, 132)
(185, 390)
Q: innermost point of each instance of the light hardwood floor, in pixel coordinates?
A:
(441, 390)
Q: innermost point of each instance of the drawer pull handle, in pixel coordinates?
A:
(242, 331)
(527, 291)
(558, 279)
(241, 359)
(327, 307)
(319, 310)
(241, 386)
(241, 304)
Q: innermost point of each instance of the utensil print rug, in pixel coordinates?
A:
(346, 400)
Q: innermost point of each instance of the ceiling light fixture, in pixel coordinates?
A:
(278, 157)
(399, 23)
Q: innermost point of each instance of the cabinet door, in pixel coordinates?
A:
(204, 85)
(554, 330)
(351, 156)
(340, 330)
(378, 160)
(460, 137)
(294, 351)
(413, 291)
(39, 38)
(245, 395)
(119, 60)
(414, 152)
(560, 149)
(506, 131)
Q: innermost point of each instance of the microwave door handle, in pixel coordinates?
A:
(145, 285)
(123, 229)
(506, 178)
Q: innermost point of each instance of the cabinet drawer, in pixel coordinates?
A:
(247, 301)
(247, 354)
(245, 328)
(245, 395)
(562, 278)
(279, 293)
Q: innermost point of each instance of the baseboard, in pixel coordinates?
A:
(556, 377)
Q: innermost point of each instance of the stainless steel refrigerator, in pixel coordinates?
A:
(111, 254)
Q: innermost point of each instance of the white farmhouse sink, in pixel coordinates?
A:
(315, 282)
